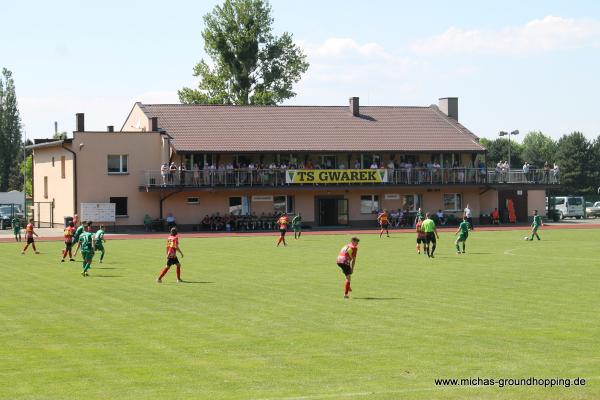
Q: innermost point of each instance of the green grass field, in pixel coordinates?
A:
(259, 322)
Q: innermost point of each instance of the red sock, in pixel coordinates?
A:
(346, 287)
(178, 270)
(163, 272)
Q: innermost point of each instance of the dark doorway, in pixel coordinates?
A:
(332, 211)
(519, 199)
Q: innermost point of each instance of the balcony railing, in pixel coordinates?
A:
(403, 176)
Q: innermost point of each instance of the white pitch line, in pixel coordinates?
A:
(509, 252)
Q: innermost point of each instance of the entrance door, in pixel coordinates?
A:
(332, 211)
(519, 203)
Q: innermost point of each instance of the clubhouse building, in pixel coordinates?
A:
(335, 165)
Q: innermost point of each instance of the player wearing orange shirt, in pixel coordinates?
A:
(69, 232)
(346, 260)
(172, 249)
(283, 222)
(29, 233)
(384, 222)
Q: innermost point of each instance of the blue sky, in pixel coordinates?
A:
(530, 66)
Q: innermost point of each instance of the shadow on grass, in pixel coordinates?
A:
(195, 282)
(106, 268)
(377, 298)
(106, 276)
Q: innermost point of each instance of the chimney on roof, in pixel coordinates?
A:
(80, 122)
(354, 106)
(110, 128)
(154, 124)
(449, 106)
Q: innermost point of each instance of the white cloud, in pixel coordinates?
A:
(539, 35)
(344, 48)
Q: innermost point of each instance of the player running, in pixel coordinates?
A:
(29, 233)
(78, 233)
(463, 230)
(346, 260)
(384, 222)
(172, 249)
(297, 226)
(87, 243)
(431, 235)
(68, 234)
(283, 222)
(100, 242)
(16, 226)
(537, 222)
(420, 236)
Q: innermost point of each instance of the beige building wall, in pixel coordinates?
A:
(136, 121)
(488, 201)
(536, 200)
(59, 190)
(96, 185)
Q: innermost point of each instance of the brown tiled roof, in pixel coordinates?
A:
(310, 128)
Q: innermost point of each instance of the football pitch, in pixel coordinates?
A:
(258, 322)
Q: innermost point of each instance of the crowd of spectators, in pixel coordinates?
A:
(274, 173)
(549, 173)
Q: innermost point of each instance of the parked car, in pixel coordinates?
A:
(7, 213)
(592, 209)
(569, 206)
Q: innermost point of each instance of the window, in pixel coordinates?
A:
(193, 200)
(45, 187)
(452, 201)
(369, 204)
(117, 164)
(62, 167)
(235, 205)
(283, 204)
(120, 206)
(411, 202)
(53, 161)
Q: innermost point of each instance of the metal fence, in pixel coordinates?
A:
(277, 177)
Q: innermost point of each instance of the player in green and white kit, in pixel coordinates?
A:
(537, 222)
(463, 232)
(16, 225)
(87, 244)
(76, 236)
(297, 226)
(100, 242)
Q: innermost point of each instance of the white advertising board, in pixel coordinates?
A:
(98, 212)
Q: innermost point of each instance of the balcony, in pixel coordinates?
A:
(236, 178)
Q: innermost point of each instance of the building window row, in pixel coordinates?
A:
(117, 164)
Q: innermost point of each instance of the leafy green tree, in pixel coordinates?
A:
(497, 150)
(574, 157)
(538, 149)
(250, 65)
(10, 130)
(60, 135)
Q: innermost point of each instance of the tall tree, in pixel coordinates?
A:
(250, 65)
(538, 149)
(497, 150)
(10, 130)
(574, 157)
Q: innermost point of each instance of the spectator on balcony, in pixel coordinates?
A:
(482, 171)
(341, 165)
(164, 173)
(196, 174)
(182, 173)
(505, 171)
(555, 173)
(172, 173)
(357, 164)
(391, 167)
(526, 171)
(374, 165)
(171, 221)
(546, 172)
